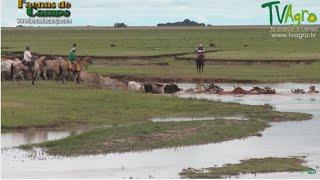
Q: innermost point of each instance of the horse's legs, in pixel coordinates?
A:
(13, 77)
(34, 77)
(198, 68)
(63, 77)
(202, 66)
(53, 76)
(78, 77)
(22, 76)
(57, 76)
(3, 76)
(44, 74)
(74, 76)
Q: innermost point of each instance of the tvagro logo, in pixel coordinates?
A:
(287, 16)
(45, 12)
(312, 171)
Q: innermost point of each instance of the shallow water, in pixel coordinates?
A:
(16, 138)
(281, 140)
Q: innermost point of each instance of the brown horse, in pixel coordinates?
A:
(61, 67)
(78, 66)
(18, 67)
(200, 59)
(56, 67)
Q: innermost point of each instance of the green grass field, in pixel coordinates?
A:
(157, 41)
(63, 105)
(185, 71)
(260, 54)
(230, 43)
(127, 116)
(250, 166)
(122, 118)
(148, 136)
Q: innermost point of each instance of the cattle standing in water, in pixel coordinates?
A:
(171, 88)
(312, 89)
(161, 88)
(134, 86)
(298, 91)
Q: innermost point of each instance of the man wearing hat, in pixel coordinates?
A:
(72, 57)
(27, 58)
(200, 50)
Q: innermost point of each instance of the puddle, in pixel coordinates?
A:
(281, 140)
(16, 138)
(182, 119)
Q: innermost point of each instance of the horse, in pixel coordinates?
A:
(6, 69)
(18, 67)
(200, 59)
(59, 67)
(81, 63)
(41, 62)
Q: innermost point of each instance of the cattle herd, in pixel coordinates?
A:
(103, 82)
(51, 69)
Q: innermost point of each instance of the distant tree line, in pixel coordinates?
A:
(186, 22)
(120, 25)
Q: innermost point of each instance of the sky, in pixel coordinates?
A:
(152, 12)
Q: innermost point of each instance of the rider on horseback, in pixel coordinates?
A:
(27, 58)
(200, 49)
(200, 59)
(72, 58)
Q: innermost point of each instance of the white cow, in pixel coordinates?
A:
(134, 86)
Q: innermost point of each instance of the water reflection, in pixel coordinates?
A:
(10, 139)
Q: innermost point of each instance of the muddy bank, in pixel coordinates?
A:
(117, 81)
(179, 80)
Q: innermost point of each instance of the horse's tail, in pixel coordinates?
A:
(60, 70)
(11, 71)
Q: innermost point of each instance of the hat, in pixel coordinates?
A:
(200, 45)
(73, 49)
